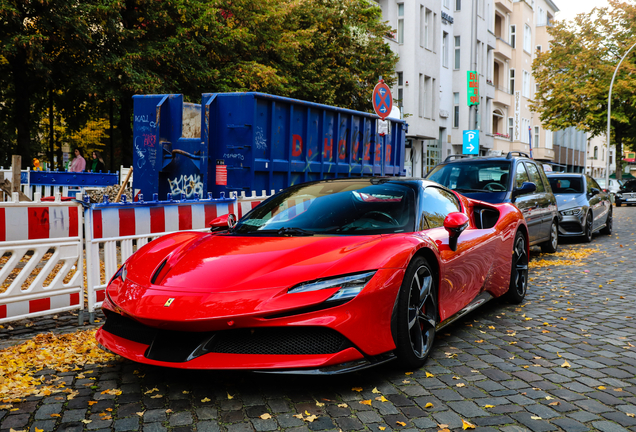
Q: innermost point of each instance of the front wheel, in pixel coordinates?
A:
(609, 223)
(589, 220)
(416, 314)
(618, 203)
(552, 244)
(519, 271)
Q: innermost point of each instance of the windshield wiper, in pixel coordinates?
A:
(291, 231)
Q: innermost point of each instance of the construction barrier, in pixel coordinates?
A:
(114, 231)
(42, 246)
(41, 265)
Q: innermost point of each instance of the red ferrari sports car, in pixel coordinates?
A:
(323, 277)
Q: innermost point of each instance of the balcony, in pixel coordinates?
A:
(503, 96)
(505, 5)
(504, 49)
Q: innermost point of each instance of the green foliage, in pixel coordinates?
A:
(85, 55)
(574, 76)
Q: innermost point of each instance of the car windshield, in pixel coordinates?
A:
(356, 208)
(566, 185)
(478, 176)
(601, 182)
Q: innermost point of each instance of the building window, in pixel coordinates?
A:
(400, 90)
(457, 52)
(456, 110)
(458, 5)
(511, 127)
(446, 3)
(400, 26)
(526, 84)
(595, 152)
(422, 97)
(538, 49)
(426, 38)
(445, 50)
(513, 35)
(535, 143)
(512, 81)
(527, 38)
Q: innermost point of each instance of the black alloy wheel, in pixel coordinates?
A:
(519, 271)
(609, 223)
(417, 314)
(589, 220)
(552, 244)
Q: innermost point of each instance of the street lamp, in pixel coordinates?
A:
(609, 113)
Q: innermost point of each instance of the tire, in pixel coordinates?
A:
(609, 223)
(589, 224)
(618, 203)
(519, 271)
(417, 314)
(552, 244)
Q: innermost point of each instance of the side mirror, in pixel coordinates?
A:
(594, 191)
(226, 221)
(455, 223)
(526, 188)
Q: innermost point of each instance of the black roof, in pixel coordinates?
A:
(467, 158)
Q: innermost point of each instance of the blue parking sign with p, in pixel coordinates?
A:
(470, 142)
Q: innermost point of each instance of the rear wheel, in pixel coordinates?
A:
(618, 203)
(416, 314)
(552, 244)
(519, 271)
(609, 223)
(589, 220)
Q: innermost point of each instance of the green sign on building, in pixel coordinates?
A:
(473, 88)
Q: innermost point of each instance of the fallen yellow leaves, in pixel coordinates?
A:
(366, 402)
(467, 425)
(570, 257)
(565, 364)
(310, 417)
(47, 351)
(266, 416)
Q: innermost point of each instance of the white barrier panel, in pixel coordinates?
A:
(41, 258)
(131, 226)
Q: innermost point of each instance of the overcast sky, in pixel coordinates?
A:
(568, 9)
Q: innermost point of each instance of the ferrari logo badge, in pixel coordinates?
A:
(169, 302)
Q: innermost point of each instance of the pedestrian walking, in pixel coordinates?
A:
(78, 164)
(97, 164)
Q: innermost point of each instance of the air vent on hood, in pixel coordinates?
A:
(157, 272)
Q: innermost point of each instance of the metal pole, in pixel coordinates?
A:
(609, 113)
(472, 110)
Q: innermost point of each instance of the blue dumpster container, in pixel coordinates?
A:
(247, 142)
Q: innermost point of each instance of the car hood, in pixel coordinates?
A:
(223, 263)
(567, 201)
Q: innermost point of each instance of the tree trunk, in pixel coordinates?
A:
(125, 128)
(22, 107)
(619, 156)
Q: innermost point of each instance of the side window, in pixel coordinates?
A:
(436, 204)
(535, 177)
(521, 175)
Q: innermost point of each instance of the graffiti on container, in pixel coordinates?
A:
(261, 142)
(233, 156)
(149, 140)
(145, 119)
(186, 184)
(141, 154)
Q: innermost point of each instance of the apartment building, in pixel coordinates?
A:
(438, 42)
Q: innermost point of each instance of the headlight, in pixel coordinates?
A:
(350, 285)
(572, 212)
(618, 194)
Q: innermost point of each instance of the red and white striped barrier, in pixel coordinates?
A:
(33, 280)
(132, 225)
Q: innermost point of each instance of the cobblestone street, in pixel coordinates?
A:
(564, 360)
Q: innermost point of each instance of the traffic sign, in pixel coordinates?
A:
(470, 143)
(382, 99)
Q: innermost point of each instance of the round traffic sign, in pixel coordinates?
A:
(382, 99)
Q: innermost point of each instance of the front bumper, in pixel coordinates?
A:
(571, 226)
(338, 339)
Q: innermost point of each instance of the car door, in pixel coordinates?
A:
(599, 203)
(527, 204)
(542, 199)
(466, 268)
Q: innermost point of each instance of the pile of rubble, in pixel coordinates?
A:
(97, 195)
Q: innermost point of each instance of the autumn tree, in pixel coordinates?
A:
(573, 77)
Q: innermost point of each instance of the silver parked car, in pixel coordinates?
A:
(582, 203)
(614, 185)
